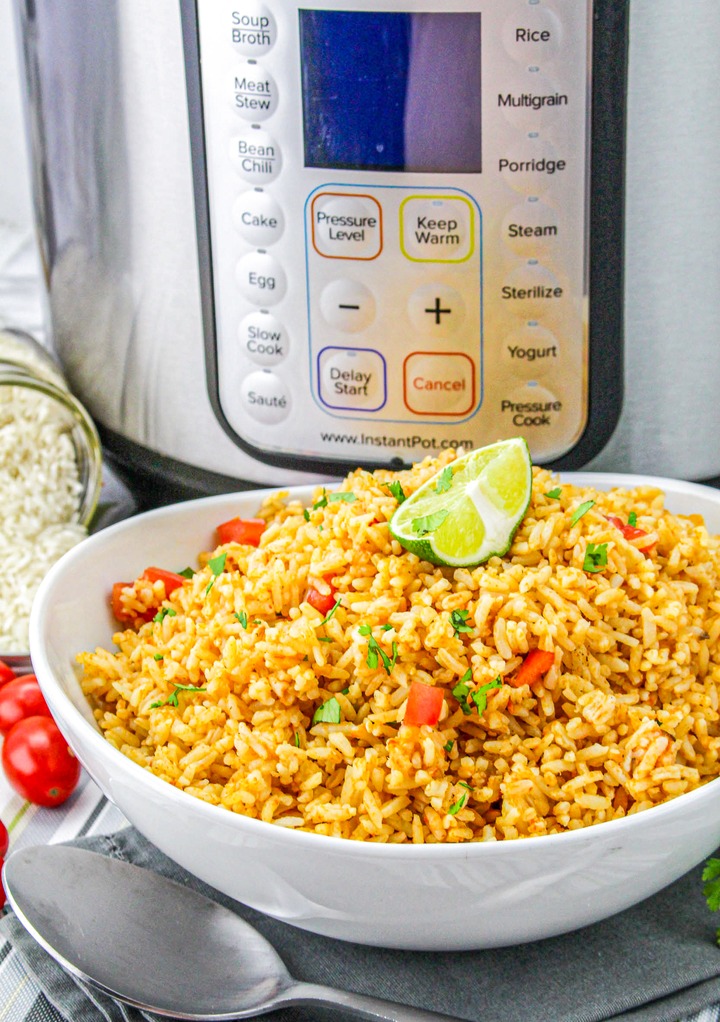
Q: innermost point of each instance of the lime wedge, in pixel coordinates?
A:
(470, 510)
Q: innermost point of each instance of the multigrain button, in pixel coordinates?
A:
(258, 217)
(265, 397)
(253, 29)
(530, 100)
(256, 155)
(346, 226)
(352, 379)
(263, 338)
(532, 34)
(254, 92)
(439, 384)
(530, 351)
(436, 309)
(260, 278)
(347, 305)
(531, 227)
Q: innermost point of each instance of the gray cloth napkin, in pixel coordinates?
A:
(656, 962)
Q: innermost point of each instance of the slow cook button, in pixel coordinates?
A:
(265, 397)
(254, 31)
(352, 379)
(439, 384)
(260, 278)
(258, 217)
(256, 156)
(254, 92)
(263, 338)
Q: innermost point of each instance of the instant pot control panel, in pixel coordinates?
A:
(395, 223)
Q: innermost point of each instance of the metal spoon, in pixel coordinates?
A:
(159, 946)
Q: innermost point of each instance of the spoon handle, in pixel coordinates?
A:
(360, 1004)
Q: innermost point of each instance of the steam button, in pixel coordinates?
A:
(254, 31)
(265, 397)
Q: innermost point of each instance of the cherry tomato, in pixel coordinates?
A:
(4, 840)
(423, 705)
(21, 697)
(170, 578)
(241, 530)
(6, 673)
(38, 763)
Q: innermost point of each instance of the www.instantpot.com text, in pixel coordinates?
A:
(422, 443)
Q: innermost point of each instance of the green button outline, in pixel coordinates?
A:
(453, 198)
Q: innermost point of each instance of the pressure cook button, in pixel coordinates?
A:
(256, 155)
(436, 309)
(254, 92)
(265, 397)
(347, 305)
(352, 379)
(260, 278)
(532, 35)
(258, 217)
(254, 31)
(263, 338)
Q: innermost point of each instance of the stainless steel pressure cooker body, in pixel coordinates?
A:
(286, 238)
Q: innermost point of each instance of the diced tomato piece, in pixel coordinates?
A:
(324, 602)
(535, 664)
(424, 704)
(617, 522)
(171, 580)
(242, 530)
(116, 605)
(630, 532)
(6, 672)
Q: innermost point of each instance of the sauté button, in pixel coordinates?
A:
(439, 384)
(254, 92)
(265, 397)
(258, 217)
(352, 378)
(263, 338)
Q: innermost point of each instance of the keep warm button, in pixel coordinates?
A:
(439, 383)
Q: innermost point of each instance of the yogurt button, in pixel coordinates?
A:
(260, 278)
(258, 217)
(256, 155)
(265, 397)
(254, 30)
(254, 92)
(263, 338)
(530, 351)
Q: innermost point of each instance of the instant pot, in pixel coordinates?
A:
(285, 238)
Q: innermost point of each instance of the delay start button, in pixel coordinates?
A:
(441, 384)
(352, 379)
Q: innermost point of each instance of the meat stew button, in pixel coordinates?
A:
(439, 383)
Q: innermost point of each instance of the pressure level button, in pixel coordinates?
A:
(253, 30)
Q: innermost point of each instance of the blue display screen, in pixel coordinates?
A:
(391, 91)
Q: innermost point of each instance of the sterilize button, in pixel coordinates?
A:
(258, 217)
(532, 34)
(436, 309)
(265, 397)
(254, 31)
(260, 278)
(254, 92)
(439, 384)
(347, 305)
(352, 379)
(263, 338)
(532, 290)
(256, 155)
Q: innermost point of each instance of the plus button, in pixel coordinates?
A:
(438, 312)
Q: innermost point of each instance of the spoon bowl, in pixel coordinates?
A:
(159, 945)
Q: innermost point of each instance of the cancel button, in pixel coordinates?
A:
(439, 384)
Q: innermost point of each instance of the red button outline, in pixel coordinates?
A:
(443, 354)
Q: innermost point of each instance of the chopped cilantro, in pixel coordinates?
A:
(595, 557)
(172, 699)
(461, 693)
(347, 496)
(632, 519)
(324, 638)
(464, 784)
(328, 713)
(448, 745)
(386, 628)
(428, 523)
(467, 676)
(581, 510)
(554, 494)
(321, 501)
(306, 514)
(163, 613)
(242, 618)
(157, 656)
(457, 806)
(397, 491)
(444, 481)
(217, 566)
(297, 739)
(376, 653)
(458, 619)
(186, 573)
(332, 610)
(479, 697)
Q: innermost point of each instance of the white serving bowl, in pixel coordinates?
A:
(443, 897)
